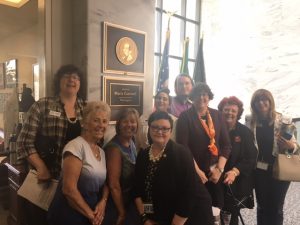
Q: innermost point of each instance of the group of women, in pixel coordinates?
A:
(152, 172)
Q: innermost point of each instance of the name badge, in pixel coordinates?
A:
(54, 113)
(262, 165)
(148, 208)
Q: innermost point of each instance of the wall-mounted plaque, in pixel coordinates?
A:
(123, 50)
(11, 75)
(120, 93)
(1, 75)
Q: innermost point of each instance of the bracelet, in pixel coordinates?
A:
(144, 218)
(220, 170)
(234, 173)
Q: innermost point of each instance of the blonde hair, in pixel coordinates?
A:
(257, 95)
(94, 107)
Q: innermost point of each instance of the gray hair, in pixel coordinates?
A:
(94, 107)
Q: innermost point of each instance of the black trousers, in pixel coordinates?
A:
(270, 196)
(34, 215)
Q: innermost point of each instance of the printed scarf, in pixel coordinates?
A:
(210, 131)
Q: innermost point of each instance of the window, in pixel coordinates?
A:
(184, 23)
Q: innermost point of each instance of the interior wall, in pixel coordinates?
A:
(136, 14)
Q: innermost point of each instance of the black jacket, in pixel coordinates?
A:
(243, 157)
(176, 187)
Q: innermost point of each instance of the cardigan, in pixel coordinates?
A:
(243, 157)
(279, 120)
(176, 187)
(190, 133)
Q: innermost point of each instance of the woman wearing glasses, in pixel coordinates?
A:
(203, 131)
(167, 189)
(162, 101)
(240, 166)
(56, 120)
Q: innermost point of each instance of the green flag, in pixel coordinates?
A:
(185, 58)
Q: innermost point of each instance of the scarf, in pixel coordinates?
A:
(210, 131)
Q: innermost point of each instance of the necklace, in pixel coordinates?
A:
(158, 156)
(72, 121)
(95, 151)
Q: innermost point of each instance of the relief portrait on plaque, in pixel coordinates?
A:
(123, 50)
(126, 51)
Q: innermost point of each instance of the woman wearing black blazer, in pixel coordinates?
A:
(238, 179)
(167, 189)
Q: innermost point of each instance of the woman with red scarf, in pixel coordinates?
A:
(203, 131)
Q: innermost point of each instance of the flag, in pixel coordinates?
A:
(163, 75)
(199, 69)
(185, 58)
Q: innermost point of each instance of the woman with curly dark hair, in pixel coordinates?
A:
(53, 120)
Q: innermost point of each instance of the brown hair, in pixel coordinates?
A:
(123, 114)
(200, 88)
(232, 100)
(257, 95)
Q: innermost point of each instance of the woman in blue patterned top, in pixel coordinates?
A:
(82, 194)
(121, 155)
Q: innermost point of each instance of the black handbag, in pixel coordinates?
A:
(46, 148)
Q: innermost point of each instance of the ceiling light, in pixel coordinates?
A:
(14, 3)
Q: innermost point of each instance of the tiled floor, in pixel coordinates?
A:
(291, 209)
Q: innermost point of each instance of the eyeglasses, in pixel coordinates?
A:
(156, 129)
(72, 75)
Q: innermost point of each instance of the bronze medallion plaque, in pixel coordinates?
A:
(126, 51)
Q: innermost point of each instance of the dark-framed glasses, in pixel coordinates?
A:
(157, 129)
(71, 75)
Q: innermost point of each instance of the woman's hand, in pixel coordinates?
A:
(230, 177)
(202, 176)
(284, 143)
(215, 175)
(150, 222)
(178, 220)
(99, 212)
(121, 219)
(43, 173)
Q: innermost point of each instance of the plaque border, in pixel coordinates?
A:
(109, 44)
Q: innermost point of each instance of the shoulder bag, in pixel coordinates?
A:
(287, 167)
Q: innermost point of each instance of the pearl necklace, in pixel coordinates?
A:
(72, 121)
(159, 155)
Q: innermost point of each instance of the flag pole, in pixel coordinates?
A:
(163, 75)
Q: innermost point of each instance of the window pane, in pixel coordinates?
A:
(191, 66)
(191, 33)
(175, 34)
(158, 3)
(172, 6)
(174, 69)
(191, 8)
(157, 33)
(156, 70)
